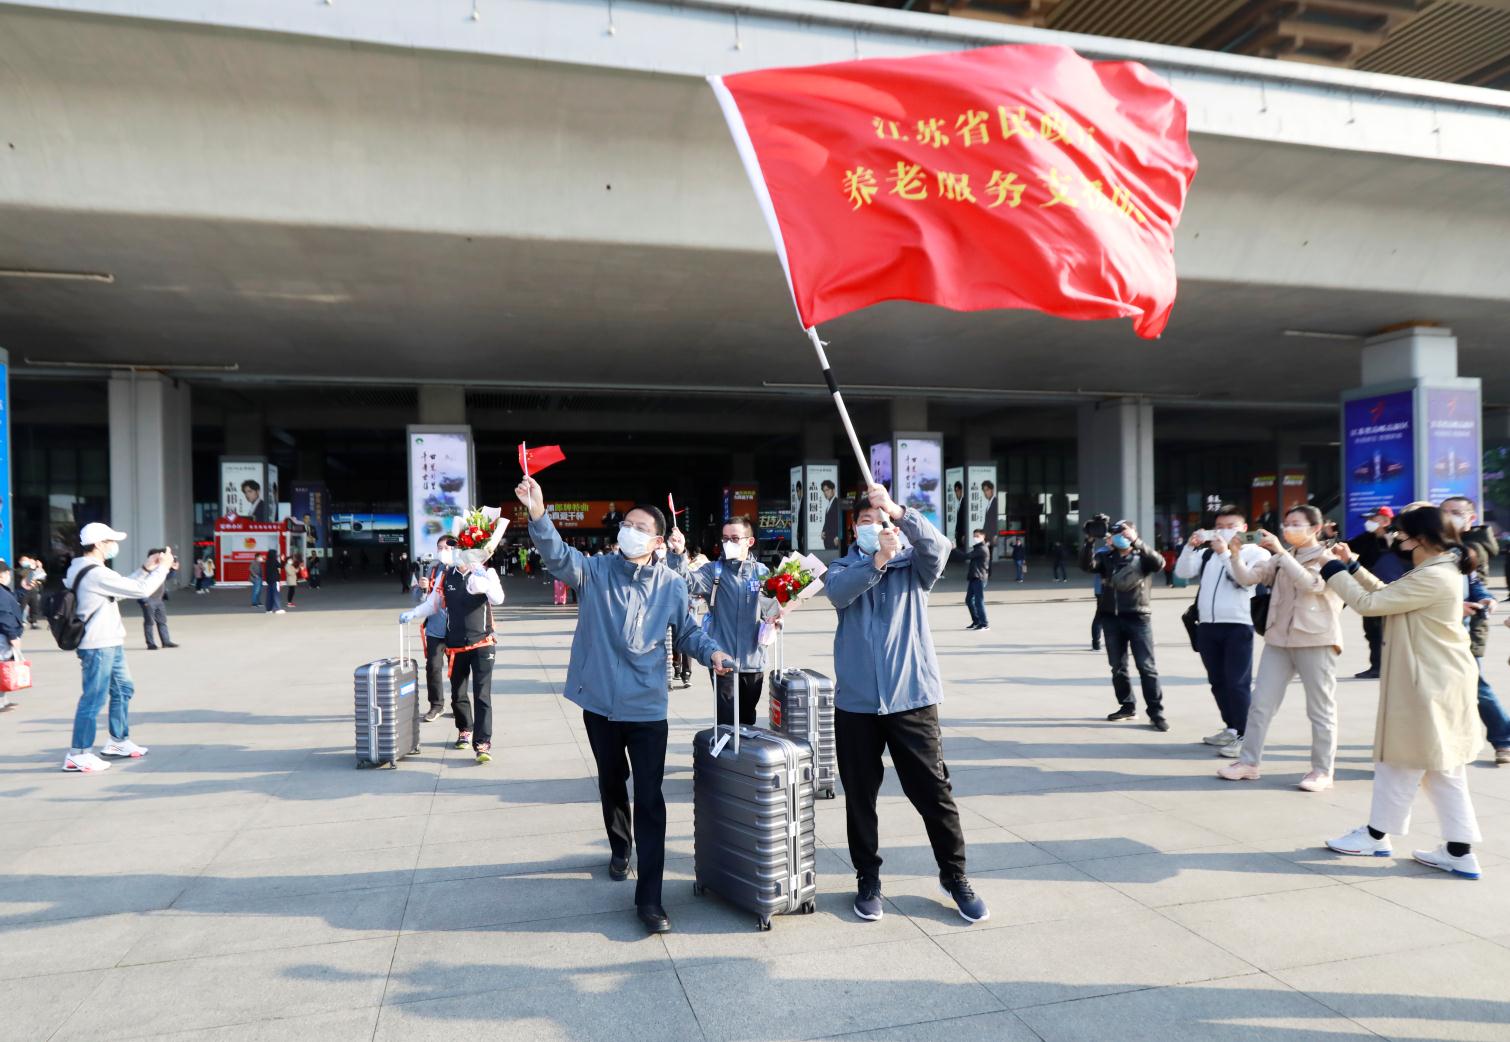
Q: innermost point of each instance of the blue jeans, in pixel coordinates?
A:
(105, 673)
(256, 589)
(1492, 713)
(272, 597)
(1022, 570)
(975, 601)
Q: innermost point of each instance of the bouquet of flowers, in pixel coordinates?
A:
(796, 579)
(478, 533)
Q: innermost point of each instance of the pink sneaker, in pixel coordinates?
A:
(1316, 781)
(1238, 771)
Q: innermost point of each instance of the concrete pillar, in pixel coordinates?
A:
(442, 403)
(743, 467)
(245, 434)
(1116, 461)
(151, 494)
(909, 414)
(978, 446)
(818, 439)
(311, 466)
(1414, 353)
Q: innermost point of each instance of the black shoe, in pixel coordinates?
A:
(1125, 713)
(433, 714)
(1367, 674)
(654, 918)
(1095, 647)
(1159, 723)
(151, 647)
(618, 869)
(169, 644)
(973, 626)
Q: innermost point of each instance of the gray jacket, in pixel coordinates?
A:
(883, 650)
(736, 609)
(618, 654)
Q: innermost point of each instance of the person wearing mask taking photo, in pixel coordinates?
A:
(887, 691)
(1303, 638)
(1427, 730)
(1224, 613)
(1461, 517)
(732, 588)
(617, 675)
(1372, 549)
(1124, 574)
(102, 653)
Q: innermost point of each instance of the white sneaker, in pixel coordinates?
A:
(280, 611)
(124, 747)
(1316, 781)
(1226, 736)
(1466, 866)
(1358, 842)
(85, 763)
(1232, 750)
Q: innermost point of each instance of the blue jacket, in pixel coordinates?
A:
(736, 609)
(11, 622)
(618, 654)
(883, 650)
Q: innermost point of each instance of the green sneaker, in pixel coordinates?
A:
(463, 740)
(483, 756)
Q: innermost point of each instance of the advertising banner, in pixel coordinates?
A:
(1294, 488)
(311, 508)
(440, 484)
(918, 475)
(1262, 501)
(774, 524)
(821, 523)
(244, 490)
(880, 464)
(238, 541)
(743, 501)
(1378, 446)
(1453, 455)
(273, 494)
(798, 496)
(980, 488)
(574, 515)
(956, 508)
(6, 535)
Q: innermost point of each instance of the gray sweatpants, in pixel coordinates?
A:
(1317, 669)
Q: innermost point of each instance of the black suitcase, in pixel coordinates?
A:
(754, 841)
(802, 706)
(387, 709)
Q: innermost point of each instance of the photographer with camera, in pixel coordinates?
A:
(1126, 574)
(1095, 542)
(1224, 618)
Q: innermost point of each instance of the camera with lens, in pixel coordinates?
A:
(1096, 527)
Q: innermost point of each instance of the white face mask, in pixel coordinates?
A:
(633, 542)
(1371, 526)
(977, 540)
(1226, 535)
(868, 538)
(448, 557)
(111, 550)
(734, 551)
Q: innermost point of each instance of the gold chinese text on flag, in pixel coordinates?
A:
(1005, 177)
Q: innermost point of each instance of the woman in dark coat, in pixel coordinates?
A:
(272, 576)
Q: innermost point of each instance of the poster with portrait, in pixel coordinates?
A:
(244, 490)
(821, 520)
(980, 488)
(956, 507)
(798, 495)
(440, 484)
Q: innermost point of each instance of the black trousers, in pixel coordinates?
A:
(1227, 653)
(1096, 632)
(155, 613)
(750, 687)
(1373, 632)
(1133, 633)
(435, 669)
(623, 749)
(917, 753)
(475, 714)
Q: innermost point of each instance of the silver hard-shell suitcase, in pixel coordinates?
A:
(387, 709)
(801, 706)
(754, 840)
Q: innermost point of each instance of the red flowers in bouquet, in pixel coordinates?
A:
(787, 582)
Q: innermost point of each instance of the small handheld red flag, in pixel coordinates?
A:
(533, 461)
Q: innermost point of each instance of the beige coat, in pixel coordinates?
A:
(1303, 613)
(1428, 690)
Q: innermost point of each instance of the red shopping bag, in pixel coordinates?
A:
(15, 675)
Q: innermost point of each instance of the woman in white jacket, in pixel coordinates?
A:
(102, 652)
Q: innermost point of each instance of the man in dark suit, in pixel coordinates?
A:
(992, 524)
(830, 517)
(961, 515)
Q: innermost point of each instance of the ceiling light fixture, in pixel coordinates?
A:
(1320, 334)
(64, 276)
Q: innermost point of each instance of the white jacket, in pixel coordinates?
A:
(1220, 598)
(95, 599)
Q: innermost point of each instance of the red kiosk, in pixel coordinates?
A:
(238, 541)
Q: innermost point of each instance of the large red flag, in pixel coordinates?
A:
(1004, 177)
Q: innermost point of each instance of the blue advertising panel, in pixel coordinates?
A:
(1378, 446)
(1453, 459)
(5, 526)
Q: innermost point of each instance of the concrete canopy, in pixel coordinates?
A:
(300, 207)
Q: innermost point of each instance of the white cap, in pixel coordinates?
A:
(98, 532)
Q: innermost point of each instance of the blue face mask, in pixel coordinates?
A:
(1121, 542)
(868, 538)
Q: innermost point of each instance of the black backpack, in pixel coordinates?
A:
(62, 611)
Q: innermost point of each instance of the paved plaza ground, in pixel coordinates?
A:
(243, 882)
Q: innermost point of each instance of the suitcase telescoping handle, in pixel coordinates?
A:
(718, 744)
(403, 643)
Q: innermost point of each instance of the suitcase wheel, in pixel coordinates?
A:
(809, 907)
(764, 924)
(363, 765)
(698, 890)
